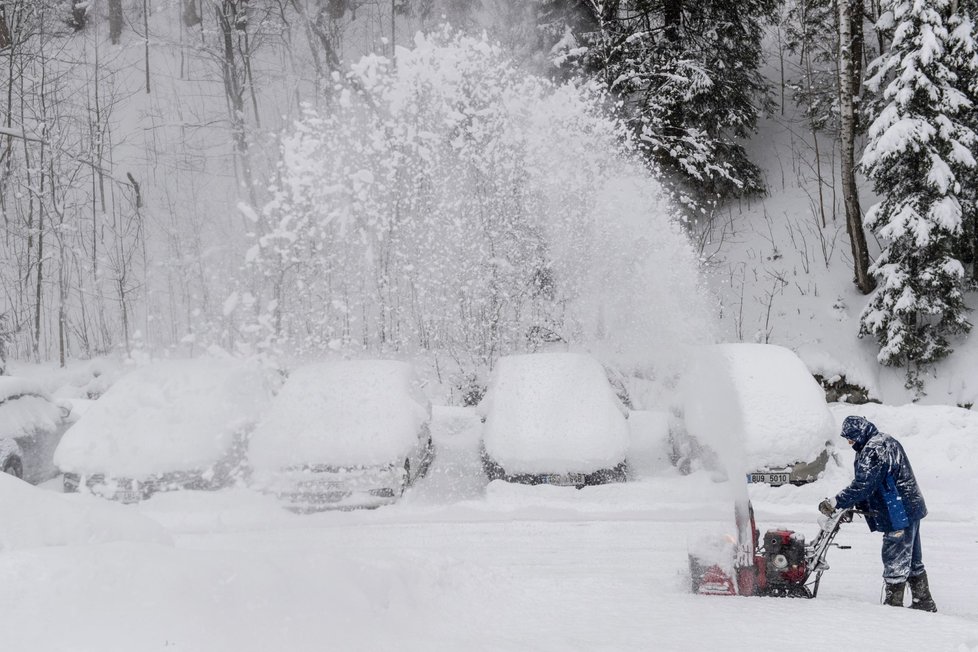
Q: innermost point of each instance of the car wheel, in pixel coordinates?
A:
(407, 475)
(14, 467)
(426, 458)
(492, 470)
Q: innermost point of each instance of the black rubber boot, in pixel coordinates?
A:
(920, 592)
(894, 594)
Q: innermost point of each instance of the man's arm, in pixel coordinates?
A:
(869, 474)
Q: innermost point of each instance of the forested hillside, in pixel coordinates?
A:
(626, 176)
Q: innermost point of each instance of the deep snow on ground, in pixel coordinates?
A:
(460, 564)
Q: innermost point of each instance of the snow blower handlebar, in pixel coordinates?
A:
(816, 552)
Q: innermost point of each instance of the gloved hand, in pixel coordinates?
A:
(827, 506)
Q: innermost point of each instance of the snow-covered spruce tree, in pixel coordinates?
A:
(918, 149)
(811, 33)
(452, 203)
(687, 76)
(964, 62)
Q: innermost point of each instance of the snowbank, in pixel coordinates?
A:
(121, 596)
(166, 416)
(343, 413)
(33, 517)
(553, 413)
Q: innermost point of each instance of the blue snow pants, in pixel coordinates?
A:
(902, 558)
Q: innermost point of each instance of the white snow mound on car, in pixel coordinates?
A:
(553, 413)
(341, 413)
(758, 401)
(167, 416)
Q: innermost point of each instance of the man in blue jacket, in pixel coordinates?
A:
(886, 491)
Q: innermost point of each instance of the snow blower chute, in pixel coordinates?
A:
(780, 565)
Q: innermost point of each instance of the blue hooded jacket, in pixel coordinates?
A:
(884, 487)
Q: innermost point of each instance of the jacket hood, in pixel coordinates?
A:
(858, 430)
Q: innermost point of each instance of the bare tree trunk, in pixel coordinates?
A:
(115, 21)
(190, 15)
(232, 20)
(673, 17)
(5, 40)
(672, 11)
(856, 17)
(39, 286)
(79, 15)
(6, 156)
(62, 274)
(854, 219)
(805, 59)
(146, 39)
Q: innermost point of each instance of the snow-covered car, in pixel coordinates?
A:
(31, 425)
(175, 424)
(759, 408)
(553, 418)
(343, 434)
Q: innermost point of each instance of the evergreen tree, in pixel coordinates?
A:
(964, 61)
(918, 151)
(687, 76)
(811, 32)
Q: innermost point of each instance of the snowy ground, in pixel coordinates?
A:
(462, 565)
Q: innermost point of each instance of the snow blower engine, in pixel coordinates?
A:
(780, 565)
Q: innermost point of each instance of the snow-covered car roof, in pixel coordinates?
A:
(760, 396)
(15, 386)
(26, 408)
(553, 413)
(342, 413)
(174, 415)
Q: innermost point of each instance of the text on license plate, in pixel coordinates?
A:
(768, 478)
(128, 496)
(563, 480)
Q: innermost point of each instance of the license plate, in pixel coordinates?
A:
(564, 480)
(773, 479)
(322, 485)
(128, 496)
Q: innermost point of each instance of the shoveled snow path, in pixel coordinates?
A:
(483, 578)
(459, 565)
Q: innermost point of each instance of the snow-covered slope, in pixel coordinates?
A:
(783, 276)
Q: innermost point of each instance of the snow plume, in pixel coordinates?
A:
(452, 202)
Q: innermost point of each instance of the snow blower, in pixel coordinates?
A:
(780, 565)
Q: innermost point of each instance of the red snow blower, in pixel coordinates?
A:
(780, 565)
